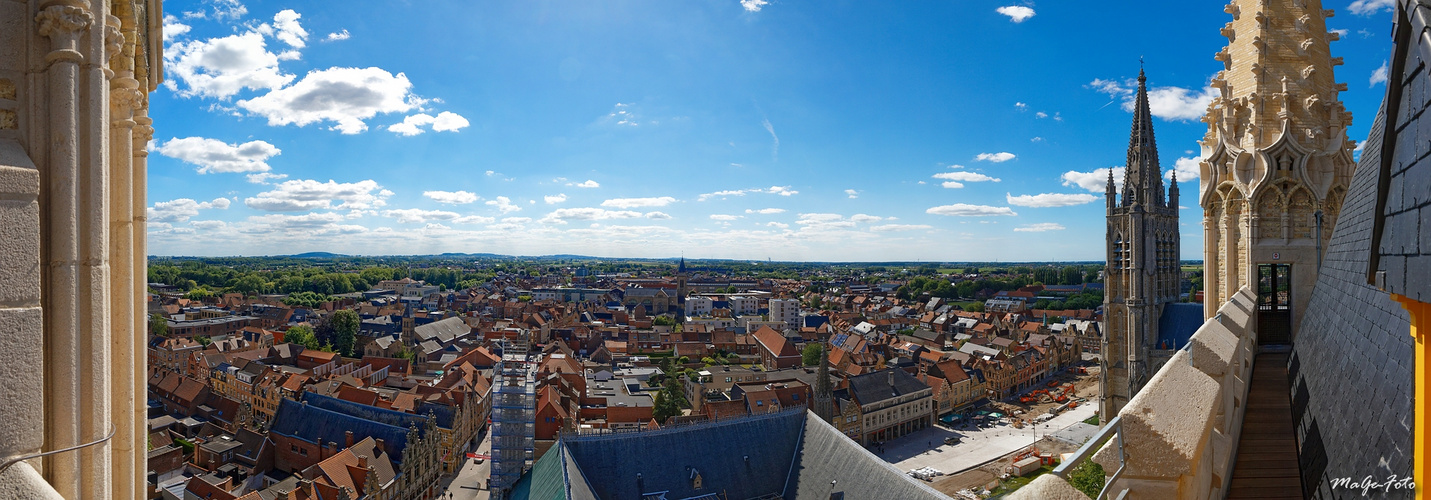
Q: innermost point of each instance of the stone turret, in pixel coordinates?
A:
(1276, 150)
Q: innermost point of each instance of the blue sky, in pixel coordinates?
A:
(950, 130)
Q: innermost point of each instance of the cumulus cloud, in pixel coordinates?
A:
(1016, 13)
(173, 28)
(852, 193)
(308, 194)
(955, 180)
(780, 190)
(995, 157)
(967, 210)
(1046, 200)
(182, 209)
(419, 216)
(452, 197)
(1040, 227)
(288, 30)
(780, 225)
(562, 215)
(477, 219)
(638, 202)
(344, 96)
(724, 217)
(1379, 76)
(504, 204)
(208, 224)
(861, 218)
(305, 225)
(215, 156)
(721, 194)
(589, 184)
(221, 67)
(1186, 167)
(339, 36)
(899, 227)
(265, 177)
(657, 215)
(765, 211)
(1369, 7)
(753, 5)
(1041, 115)
(1095, 181)
(1021, 106)
(554, 199)
(445, 121)
(1168, 103)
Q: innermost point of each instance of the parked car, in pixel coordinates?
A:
(951, 440)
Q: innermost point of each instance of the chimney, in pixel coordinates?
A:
(379, 445)
(348, 435)
(362, 461)
(891, 384)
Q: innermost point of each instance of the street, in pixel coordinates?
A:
(470, 481)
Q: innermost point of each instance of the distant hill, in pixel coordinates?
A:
(316, 255)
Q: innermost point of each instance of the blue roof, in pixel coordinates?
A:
(814, 321)
(317, 425)
(1177, 324)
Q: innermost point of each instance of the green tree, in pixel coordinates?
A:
(1088, 478)
(345, 328)
(669, 400)
(811, 354)
(974, 307)
(250, 284)
(302, 335)
(203, 340)
(158, 325)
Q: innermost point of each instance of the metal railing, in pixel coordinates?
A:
(6, 462)
(1084, 453)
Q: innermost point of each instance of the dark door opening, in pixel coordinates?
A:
(1274, 304)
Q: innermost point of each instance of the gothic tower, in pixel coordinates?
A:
(681, 277)
(1277, 161)
(1143, 272)
(824, 392)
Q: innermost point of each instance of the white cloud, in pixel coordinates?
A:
(228, 9)
(345, 96)
(1049, 199)
(476, 219)
(1340, 33)
(780, 225)
(419, 215)
(288, 30)
(724, 217)
(516, 220)
(722, 194)
(265, 177)
(561, 215)
(753, 5)
(1016, 13)
(966, 210)
(1110, 87)
(622, 114)
(588, 184)
(1176, 103)
(304, 226)
(445, 121)
(1041, 114)
(208, 224)
(504, 204)
(862, 218)
(452, 197)
(780, 190)
(339, 36)
(1021, 106)
(1036, 139)
(554, 199)
(852, 193)
(951, 184)
(1186, 167)
(1040, 227)
(816, 218)
(638, 202)
(182, 209)
(955, 179)
(1095, 181)
(173, 28)
(221, 67)
(307, 194)
(657, 215)
(765, 211)
(775, 147)
(995, 157)
(1379, 76)
(1369, 7)
(215, 156)
(899, 227)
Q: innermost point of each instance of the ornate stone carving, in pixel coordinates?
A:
(62, 19)
(113, 40)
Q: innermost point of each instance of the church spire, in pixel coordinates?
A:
(824, 393)
(1143, 177)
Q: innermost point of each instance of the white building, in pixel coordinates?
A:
(787, 311)
(699, 306)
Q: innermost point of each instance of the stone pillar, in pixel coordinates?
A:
(1210, 284)
(75, 261)
(21, 332)
(123, 98)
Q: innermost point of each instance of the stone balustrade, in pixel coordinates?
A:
(1180, 431)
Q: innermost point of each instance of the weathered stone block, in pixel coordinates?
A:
(21, 343)
(14, 25)
(1214, 348)
(19, 253)
(1167, 424)
(21, 481)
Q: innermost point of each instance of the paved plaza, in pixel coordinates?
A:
(926, 447)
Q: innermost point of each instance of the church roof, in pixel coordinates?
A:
(1177, 324)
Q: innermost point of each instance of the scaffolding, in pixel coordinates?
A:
(513, 416)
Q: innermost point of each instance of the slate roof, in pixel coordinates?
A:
(1177, 324)
(790, 454)
(313, 424)
(443, 331)
(872, 388)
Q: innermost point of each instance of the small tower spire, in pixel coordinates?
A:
(1112, 191)
(1143, 178)
(824, 393)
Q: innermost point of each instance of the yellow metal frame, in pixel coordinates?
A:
(1421, 405)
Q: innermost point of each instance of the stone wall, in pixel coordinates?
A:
(74, 82)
